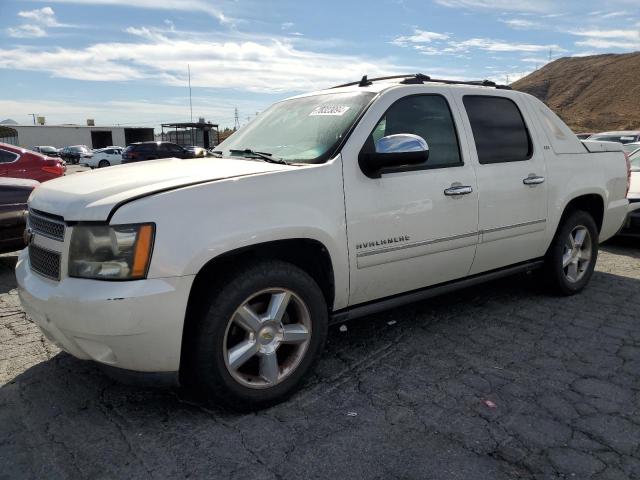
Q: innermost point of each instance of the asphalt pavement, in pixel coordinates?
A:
(500, 381)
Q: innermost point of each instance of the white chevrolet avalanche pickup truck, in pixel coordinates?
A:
(226, 272)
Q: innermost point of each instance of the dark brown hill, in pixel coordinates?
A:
(590, 94)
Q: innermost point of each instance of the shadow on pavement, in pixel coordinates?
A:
(7, 267)
(400, 393)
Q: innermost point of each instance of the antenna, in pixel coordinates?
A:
(34, 117)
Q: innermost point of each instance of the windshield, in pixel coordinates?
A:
(306, 130)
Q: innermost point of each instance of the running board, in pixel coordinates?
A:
(417, 295)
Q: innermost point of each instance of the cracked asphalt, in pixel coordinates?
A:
(500, 381)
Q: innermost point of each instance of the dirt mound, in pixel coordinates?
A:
(596, 93)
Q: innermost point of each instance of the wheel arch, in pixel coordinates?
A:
(592, 203)
(308, 254)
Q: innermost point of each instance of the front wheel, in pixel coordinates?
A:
(103, 164)
(571, 259)
(258, 335)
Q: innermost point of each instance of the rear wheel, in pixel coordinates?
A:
(571, 259)
(258, 335)
(103, 163)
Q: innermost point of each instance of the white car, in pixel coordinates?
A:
(104, 157)
(331, 205)
(632, 225)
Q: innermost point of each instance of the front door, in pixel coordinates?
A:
(414, 226)
(511, 175)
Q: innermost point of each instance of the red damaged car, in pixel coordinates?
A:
(17, 162)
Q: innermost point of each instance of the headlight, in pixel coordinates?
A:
(105, 252)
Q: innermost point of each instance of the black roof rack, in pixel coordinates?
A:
(420, 78)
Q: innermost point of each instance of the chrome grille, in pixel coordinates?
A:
(46, 226)
(44, 262)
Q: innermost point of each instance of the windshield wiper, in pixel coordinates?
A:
(267, 157)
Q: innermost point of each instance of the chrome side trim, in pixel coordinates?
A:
(515, 225)
(416, 244)
(447, 239)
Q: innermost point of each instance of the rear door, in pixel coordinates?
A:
(511, 173)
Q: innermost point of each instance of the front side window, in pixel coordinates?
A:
(498, 129)
(427, 116)
(301, 130)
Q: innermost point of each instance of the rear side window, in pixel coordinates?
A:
(7, 157)
(498, 129)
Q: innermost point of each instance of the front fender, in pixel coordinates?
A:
(199, 223)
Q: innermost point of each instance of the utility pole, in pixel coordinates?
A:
(550, 53)
(190, 103)
(34, 117)
(507, 79)
(236, 120)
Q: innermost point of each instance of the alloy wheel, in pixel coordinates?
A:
(577, 254)
(266, 338)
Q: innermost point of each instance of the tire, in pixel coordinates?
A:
(570, 278)
(249, 380)
(103, 163)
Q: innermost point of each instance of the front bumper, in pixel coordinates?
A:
(134, 325)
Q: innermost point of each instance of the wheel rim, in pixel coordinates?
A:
(267, 338)
(578, 253)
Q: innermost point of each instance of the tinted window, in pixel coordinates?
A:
(144, 147)
(7, 157)
(499, 130)
(427, 116)
(171, 147)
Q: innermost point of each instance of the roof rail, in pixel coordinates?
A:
(420, 78)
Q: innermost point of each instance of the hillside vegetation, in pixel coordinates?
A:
(595, 93)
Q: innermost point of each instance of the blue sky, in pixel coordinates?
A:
(125, 61)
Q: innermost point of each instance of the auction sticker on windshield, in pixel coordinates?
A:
(334, 110)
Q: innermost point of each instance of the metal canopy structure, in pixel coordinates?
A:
(191, 133)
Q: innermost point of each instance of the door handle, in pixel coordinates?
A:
(533, 180)
(457, 190)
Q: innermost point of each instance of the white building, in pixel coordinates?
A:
(64, 135)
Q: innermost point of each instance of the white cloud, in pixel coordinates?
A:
(609, 39)
(521, 24)
(419, 36)
(605, 44)
(502, 5)
(26, 31)
(261, 65)
(490, 45)
(203, 6)
(621, 34)
(44, 16)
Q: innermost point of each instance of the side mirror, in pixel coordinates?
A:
(393, 152)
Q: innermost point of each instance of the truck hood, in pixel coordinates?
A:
(92, 195)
